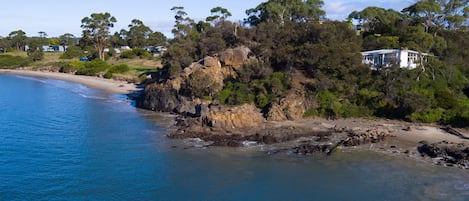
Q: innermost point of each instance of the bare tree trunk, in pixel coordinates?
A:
(421, 66)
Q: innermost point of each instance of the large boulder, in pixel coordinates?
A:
(292, 107)
(233, 118)
(235, 57)
(162, 98)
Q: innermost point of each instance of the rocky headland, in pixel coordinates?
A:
(283, 121)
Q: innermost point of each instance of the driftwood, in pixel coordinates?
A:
(453, 131)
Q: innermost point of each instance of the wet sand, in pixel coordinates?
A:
(113, 86)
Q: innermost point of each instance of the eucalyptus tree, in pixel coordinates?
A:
(157, 39)
(436, 15)
(18, 39)
(98, 27)
(138, 34)
(183, 24)
(218, 14)
(35, 51)
(377, 20)
(283, 11)
(118, 39)
(66, 39)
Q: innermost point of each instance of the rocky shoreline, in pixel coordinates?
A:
(321, 136)
(212, 124)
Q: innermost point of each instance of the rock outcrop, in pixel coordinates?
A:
(240, 117)
(236, 57)
(292, 107)
(170, 95)
(447, 154)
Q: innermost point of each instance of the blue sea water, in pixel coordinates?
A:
(64, 141)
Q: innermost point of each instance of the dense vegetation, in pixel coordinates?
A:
(298, 49)
(294, 43)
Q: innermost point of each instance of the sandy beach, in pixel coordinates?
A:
(112, 86)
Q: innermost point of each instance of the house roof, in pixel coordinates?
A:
(387, 51)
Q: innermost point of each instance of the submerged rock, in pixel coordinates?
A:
(447, 154)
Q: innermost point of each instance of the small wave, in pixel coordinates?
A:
(461, 186)
(31, 78)
(92, 97)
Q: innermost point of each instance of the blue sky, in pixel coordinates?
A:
(56, 17)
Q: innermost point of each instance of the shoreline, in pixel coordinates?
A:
(113, 86)
(397, 136)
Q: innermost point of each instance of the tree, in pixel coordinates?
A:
(377, 20)
(282, 11)
(98, 26)
(157, 38)
(138, 34)
(118, 39)
(35, 51)
(18, 39)
(66, 39)
(436, 15)
(4, 44)
(183, 25)
(43, 37)
(218, 13)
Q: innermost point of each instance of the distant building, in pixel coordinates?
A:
(54, 48)
(384, 58)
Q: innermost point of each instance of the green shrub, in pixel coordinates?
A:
(121, 68)
(313, 112)
(128, 54)
(71, 67)
(72, 52)
(431, 116)
(93, 68)
(236, 94)
(8, 61)
(137, 52)
(141, 53)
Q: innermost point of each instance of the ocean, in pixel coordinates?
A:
(64, 141)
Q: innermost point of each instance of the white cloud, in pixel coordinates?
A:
(336, 8)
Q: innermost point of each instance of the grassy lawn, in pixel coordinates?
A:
(138, 67)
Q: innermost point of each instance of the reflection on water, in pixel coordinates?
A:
(59, 143)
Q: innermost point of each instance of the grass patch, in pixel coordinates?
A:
(9, 61)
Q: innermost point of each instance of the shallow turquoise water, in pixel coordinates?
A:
(63, 141)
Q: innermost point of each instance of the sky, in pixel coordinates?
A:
(56, 17)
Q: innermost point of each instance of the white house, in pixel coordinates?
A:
(383, 58)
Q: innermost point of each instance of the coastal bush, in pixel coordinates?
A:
(430, 116)
(72, 52)
(93, 68)
(9, 61)
(117, 69)
(200, 85)
(137, 52)
(236, 94)
(128, 54)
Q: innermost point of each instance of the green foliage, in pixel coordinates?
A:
(117, 69)
(9, 61)
(72, 52)
(200, 85)
(71, 67)
(97, 27)
(261, 91)
(236, 94)
(93, 68)
(431, 116)
(134, 53)
(128, 54)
